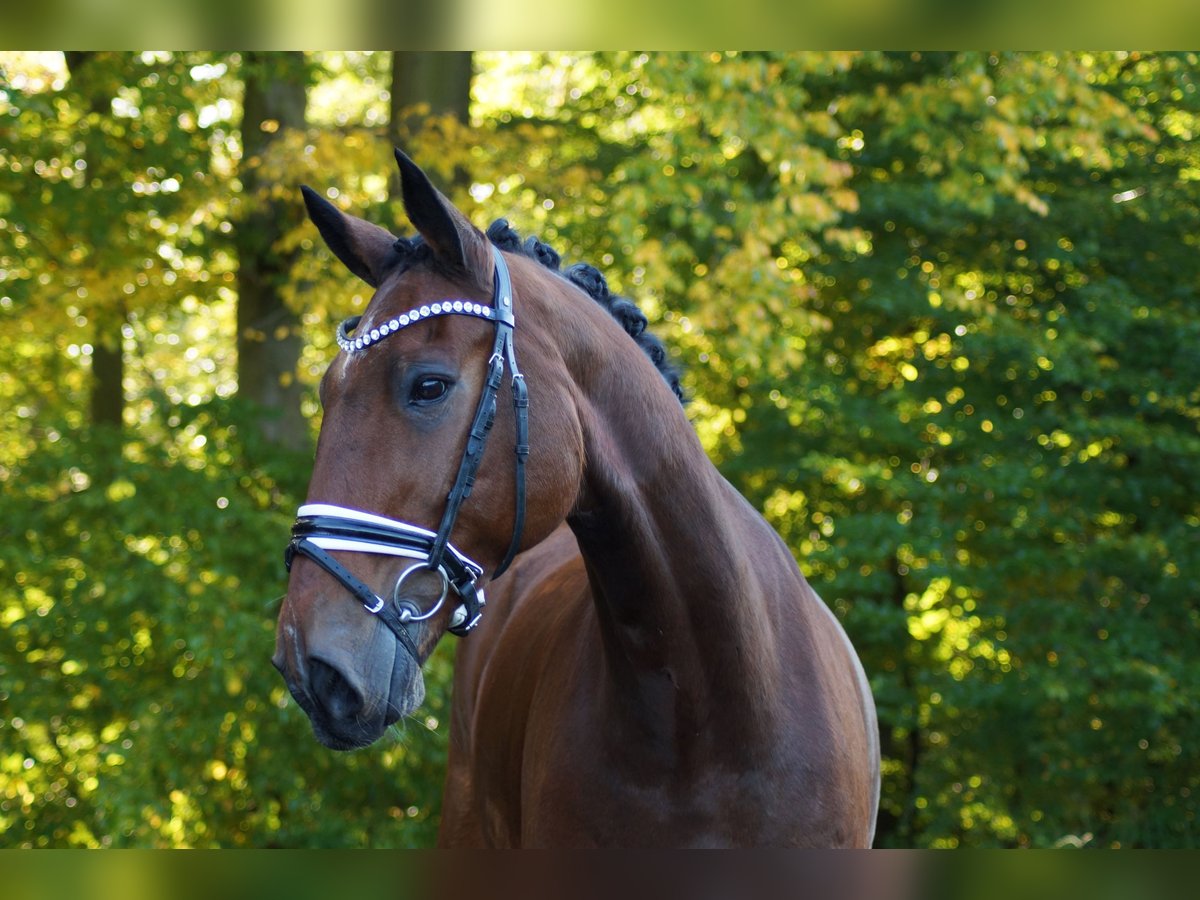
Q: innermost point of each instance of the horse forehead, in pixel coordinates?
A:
(410, 287)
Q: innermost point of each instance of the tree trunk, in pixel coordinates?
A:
(426, 83)
(268, 332)
(440, 79)
(107, 400)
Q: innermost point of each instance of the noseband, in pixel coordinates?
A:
(321, 527)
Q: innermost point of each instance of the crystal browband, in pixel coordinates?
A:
(444, 308)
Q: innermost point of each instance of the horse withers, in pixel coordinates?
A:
(653, 669)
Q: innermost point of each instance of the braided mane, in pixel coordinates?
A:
(592, 282)
(589, 279)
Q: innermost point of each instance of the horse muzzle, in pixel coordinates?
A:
(348, 705)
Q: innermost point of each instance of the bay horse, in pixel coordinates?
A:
(653, 669)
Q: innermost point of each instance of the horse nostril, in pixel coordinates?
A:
(333, 691)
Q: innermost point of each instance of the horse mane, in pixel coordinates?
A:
(589, 279)
(593, 283)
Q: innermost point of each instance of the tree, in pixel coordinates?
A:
(427, 83)
(108, 355)
(96, 241)
(137, 705)
(937, 313)
(930, 306)
(969, 489)
(430, 90)
(269, 339)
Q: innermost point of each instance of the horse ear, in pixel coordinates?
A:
(454, 240)
(366, 249)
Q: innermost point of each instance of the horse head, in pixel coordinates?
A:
(412, 506)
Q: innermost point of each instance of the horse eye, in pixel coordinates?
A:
(429, 390)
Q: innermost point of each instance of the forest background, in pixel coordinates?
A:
(934, 311)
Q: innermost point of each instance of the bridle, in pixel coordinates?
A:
(321, 527)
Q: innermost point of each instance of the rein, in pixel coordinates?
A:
(321, 527)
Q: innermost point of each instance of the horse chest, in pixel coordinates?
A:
(551, 768)
(555, 759)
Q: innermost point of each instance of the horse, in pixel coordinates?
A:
(652, 669)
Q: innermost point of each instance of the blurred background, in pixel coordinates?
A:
(938, 314)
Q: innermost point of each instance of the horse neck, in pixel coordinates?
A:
(678, 561)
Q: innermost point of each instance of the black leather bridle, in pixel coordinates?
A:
(323, 527)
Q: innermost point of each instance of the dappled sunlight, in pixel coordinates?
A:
(152, 628)
(936, 315)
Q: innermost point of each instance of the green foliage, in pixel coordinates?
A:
(936, 312)
(970, 482)
(112, 198)
(139, 705)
